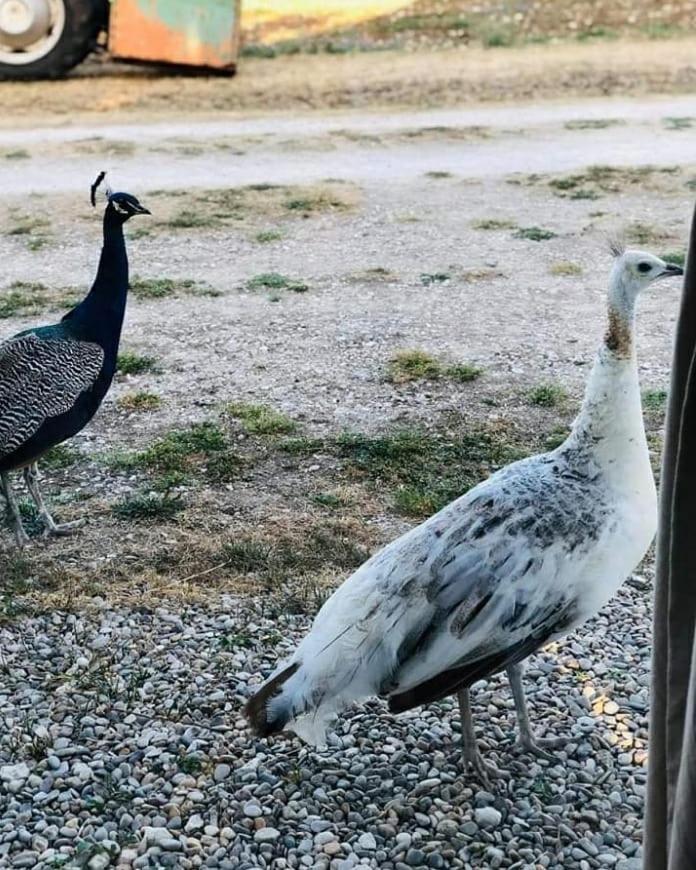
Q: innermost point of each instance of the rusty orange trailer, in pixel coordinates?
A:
(203, 33)
(46, 38)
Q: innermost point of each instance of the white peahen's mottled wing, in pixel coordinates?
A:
(41, 378)
(491, 571)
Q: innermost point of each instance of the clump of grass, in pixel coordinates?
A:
(597, 32)
(463, 372)
(261, 419)
(302, 446)
(317, 201)
(180, 450)
(140, 401)
(21, 297)
(641, 233)
(223, 466)
(428, 278)
(33, 524)
(496, 36)
(661, 30)
(60, 456)
(547, 395)
(26, 225)
(680, 123)
(275, 281)
(130, 363)
(147, 506)
(584, 193)
(425, 471)
(203, 448)
(373, 275)
(35, 229)
(416, 365)
(140, 233)
(565, 267)
(592, 123)
(32, 297)
(159, 288)
(319, 548)
(676, 257)
(16, 154)
(328, 500)
(592, 182)
(654, 400)
(438, 174)
(534, 234)
(193, 220)
(413, 365)
(494, 224)
(266, 236)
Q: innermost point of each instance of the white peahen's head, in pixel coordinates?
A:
(634, 270)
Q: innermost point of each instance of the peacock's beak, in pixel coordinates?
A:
(140, 209)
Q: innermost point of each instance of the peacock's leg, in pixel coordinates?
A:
(31, 477)
(527, 741)
(13, 509)
(473, 759)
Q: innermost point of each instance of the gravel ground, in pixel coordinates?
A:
(125, 746)
(122, 679)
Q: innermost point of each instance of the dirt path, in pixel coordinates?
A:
(439, 77)
(361, 148)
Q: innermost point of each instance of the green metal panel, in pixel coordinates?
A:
(199, 32)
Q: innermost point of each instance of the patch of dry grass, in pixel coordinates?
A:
(254, 205)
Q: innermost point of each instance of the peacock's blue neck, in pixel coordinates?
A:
(99, 317)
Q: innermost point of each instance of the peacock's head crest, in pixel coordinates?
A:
(124, 205)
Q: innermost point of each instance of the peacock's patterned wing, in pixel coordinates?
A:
(41, 378)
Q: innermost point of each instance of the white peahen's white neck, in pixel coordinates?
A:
(610, 422)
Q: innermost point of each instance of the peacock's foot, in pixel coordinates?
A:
(483, 770)
(535, 746)
(21, 537)
(61, 530)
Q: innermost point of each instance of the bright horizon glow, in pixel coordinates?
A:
(318, 15)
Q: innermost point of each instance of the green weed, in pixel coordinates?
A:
(147, 506)
(534, 234)
(275, 281)
(140, 401)
(494, 224)
(261, 419)
(547, 395)
(130, 363)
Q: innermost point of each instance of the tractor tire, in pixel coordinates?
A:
(44, 39)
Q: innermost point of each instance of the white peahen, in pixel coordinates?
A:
(520, 560)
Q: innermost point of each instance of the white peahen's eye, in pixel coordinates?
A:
(644, 267)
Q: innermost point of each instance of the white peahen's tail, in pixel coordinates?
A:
(299, 699)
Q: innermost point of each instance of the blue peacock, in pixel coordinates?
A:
(53, 378)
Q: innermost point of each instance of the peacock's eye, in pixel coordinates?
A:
(644, 267)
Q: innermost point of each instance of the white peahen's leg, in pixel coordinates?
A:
(20, 535)
(31, 477)
(470, 751)
(526, 740)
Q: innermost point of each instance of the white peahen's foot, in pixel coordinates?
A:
(535, 746)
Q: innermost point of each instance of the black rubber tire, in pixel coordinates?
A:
(84, 19)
